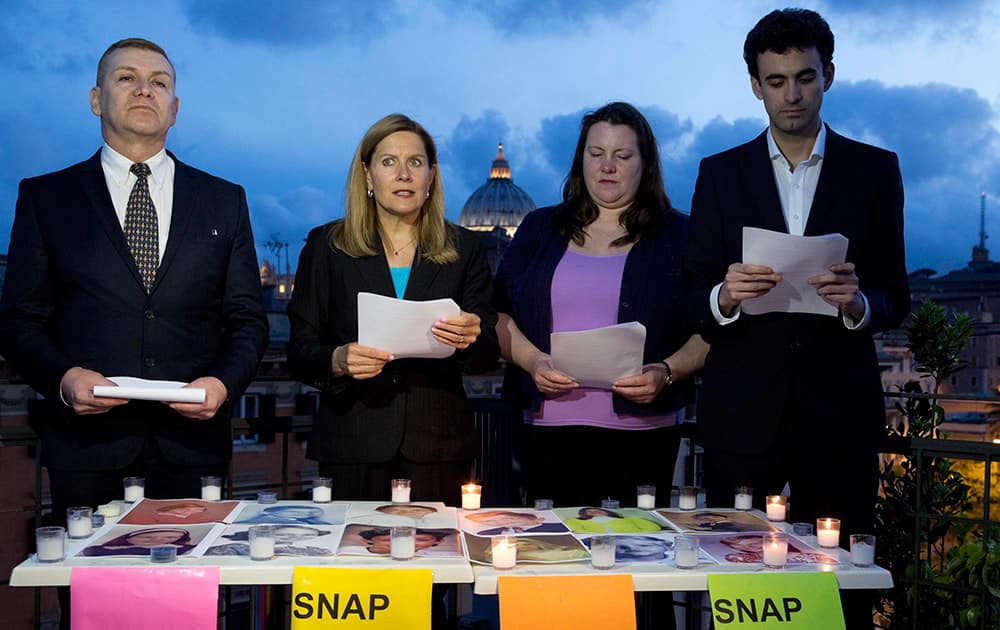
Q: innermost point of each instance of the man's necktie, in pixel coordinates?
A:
(141, 230)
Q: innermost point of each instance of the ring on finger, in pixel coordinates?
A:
(462, 339)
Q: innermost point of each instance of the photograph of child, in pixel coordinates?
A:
(129, 540)
(546, 548)
(180, 512)
(289, 540)
(368, 540)
(426, 515)
(293, 513)
(595, 520)
(491, 522)
(716, 521)
(748, 548)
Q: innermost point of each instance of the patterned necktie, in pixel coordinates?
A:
(141, 229)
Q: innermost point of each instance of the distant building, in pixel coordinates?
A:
(496, 209)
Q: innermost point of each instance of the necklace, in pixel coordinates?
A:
(396, 250)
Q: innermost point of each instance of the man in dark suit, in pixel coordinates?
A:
(789, 397)
(132, 264)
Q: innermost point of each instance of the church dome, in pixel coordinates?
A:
(498, 202)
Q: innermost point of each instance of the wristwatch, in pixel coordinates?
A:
(668, 378)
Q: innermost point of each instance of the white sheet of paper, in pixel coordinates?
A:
(403, 327)
(600, 356)
(796, 258)
(143, 389)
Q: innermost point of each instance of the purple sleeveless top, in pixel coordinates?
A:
(585, 294)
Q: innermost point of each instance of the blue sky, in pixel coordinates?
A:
(275, 96)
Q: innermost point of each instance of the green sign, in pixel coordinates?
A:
(810, 601)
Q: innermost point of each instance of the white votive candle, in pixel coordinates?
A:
(109, 510)
(50, 544)
(828, 532)
(78, 522)
(261, 542)
(134, 489)
(775, 548)
(322, 494)
(211, 493)
(688, 498)
(743, 499)
(862, 550)
(602, 552)
(504, 549)
(776, 508)
(471, 496)
(645, 497)
(402, 543)
(400, 490)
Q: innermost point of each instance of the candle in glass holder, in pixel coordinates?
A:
(775, 549)
(828, 532)
(322, 490)
(862, 550)
(602, 552)
(402, 543)
(743, 500)
(610, 504)
(686, 551)
(400, 490)
(504, 551)
(687, 498)
(776, 506)
(109, 510)
(262, 542)
(267, 497)
(79, 522)
(211, 488)
(471, 495)
(645, 497)
(50, 544)
(135, 489)
(543, 504)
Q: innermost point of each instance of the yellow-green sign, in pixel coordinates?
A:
(348, 599)
(809, 601)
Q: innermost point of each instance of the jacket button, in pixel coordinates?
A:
(624, 304)
(149, 314)
(149, 362)
(397, 379)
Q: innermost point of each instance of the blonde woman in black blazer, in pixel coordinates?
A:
(380, 418)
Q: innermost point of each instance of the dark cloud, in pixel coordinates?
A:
(472, 147)
(938, 130)
(518, 17)
(294, 23)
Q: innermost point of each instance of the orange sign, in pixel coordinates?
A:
(566, 602)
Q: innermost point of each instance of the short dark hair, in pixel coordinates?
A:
(651, 203)
(780, 30)
(130, 42)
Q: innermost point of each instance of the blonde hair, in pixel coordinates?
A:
(355, 235)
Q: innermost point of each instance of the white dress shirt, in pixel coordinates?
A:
(161, 187)
(796, 190)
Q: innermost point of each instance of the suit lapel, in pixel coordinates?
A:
(185, 206)
(821, 214)
(374, 270)
(95, 187)
(422, 276)
(760, 179)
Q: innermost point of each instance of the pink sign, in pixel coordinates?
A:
(144, 598)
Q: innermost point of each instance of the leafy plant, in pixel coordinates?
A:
(936, 339)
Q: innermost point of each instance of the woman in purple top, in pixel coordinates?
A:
(610, 253)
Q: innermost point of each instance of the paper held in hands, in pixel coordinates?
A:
(796, 258)
(403, 327)
(143, 389)
(600, 356)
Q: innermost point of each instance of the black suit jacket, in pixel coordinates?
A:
(73, 297)
(764, 368)
(416, 407)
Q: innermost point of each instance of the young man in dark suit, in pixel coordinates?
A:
(132, 263)
(790, 397)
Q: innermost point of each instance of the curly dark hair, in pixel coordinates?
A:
(783, 29)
